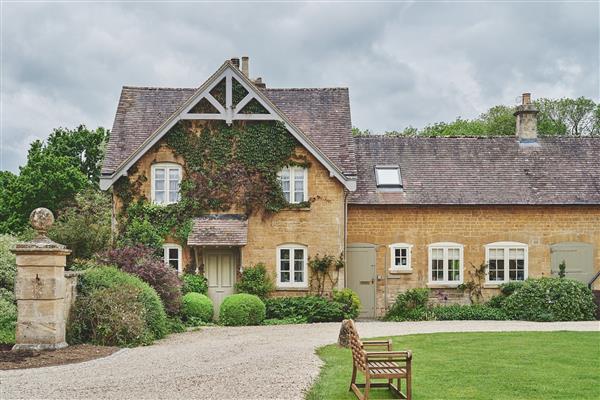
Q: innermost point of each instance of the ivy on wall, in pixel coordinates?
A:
(226, 167)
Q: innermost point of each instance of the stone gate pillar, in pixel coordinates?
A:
(40, 288)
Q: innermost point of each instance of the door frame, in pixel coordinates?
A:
(373, 247)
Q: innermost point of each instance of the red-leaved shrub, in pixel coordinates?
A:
(141, 261)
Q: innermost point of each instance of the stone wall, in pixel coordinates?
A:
(70, 291)
(320, 227)
(472, 226)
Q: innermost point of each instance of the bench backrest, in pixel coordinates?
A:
(359, 356)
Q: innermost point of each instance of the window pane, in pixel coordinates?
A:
(173, 197)
(285, 265)
(454, 264)
(159, 184)
(159, 197)
(159, 173)
(496, 264)
(285, 254)
(298, 276)
(299, 254)
(174, 174)
(388, 176)
(437, 264)
(516, 266)
(285, 276)
(284, 180)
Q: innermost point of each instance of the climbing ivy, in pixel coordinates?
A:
(226, 167)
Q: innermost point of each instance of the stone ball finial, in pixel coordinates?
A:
(41, 219)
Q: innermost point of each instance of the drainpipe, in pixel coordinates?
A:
(345, 247)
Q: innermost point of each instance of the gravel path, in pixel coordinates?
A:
(262, 362)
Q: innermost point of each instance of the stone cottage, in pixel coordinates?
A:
(401, 212)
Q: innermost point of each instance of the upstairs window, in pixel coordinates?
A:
(446, 263)
(507, 261)
(294, 184)
(166, 179)
(388, 176)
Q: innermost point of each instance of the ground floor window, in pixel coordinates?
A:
(400, 257)
(291, 266)
(507, 261)
(445, 263)
(172, 256)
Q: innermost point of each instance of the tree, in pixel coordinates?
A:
(85, 227)
(67, 163)
(499, 120)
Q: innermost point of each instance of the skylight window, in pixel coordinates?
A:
(388, 176)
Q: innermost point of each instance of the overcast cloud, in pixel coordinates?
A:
(405, 64)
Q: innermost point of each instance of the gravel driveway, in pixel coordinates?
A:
(274, 362)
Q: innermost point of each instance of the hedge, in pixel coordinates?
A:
(242, 309)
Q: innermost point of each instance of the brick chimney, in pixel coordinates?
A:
(245, 66)
(526, 114)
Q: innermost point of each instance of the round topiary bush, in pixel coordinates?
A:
(197, 306)
(551, 299)
(242, 309)
(108, 277)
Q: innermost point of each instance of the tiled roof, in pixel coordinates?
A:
(561, 170)
(219, 230)
(322, 114)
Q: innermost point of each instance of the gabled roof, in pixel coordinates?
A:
(318, 118)
(497, 170)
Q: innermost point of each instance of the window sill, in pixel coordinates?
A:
(492, 285)
(292, 288)
(296, 209)
(443, 285)
(396, 271)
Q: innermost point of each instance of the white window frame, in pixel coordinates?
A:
(506, 246)
(292, 173)
(390, 168)
(170, 246)
(445, 246)
(166, 166)
(398, 246)
(292, 284)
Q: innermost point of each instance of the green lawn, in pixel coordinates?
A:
(511, 365)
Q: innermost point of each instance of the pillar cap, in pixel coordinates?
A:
(41, 219)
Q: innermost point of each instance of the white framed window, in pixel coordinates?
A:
(446, 263)
(172, 256)
(166, 178)
(506, 261)
(292, 260)
(388, 176)
(294, 184)
(400, 257)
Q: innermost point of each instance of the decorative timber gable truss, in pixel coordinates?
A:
(228, 95)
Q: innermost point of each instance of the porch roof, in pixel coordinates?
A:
(219, 230)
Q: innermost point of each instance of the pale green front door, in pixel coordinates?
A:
(219, 267)
(361, 276)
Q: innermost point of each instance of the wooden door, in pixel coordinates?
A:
(578, 258)
(361, 276)
(219, 267)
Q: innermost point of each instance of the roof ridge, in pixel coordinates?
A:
(487, 137)
(156, 88)
(310, 88)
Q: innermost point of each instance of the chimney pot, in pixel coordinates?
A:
(526, 114)
(258, 82)
(245, 66)
(236, 61)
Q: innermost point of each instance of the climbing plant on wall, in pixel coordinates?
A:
(226, 167)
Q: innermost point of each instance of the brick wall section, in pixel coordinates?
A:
(320, 228)
(472, 226)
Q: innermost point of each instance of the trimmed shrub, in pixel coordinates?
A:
(7, 295)
(242, 309)
(410, 306)
(311, 308)
(8, 321)
(255, 280)
(551, 299)
(142, 262)
(349, 301)
(509, 288)
(496, 301)
(285, 321)
(174, 325)
(467, 312)
(8, 264)
(111, 316)
(193, 283)
(197, 306)
(107, 277)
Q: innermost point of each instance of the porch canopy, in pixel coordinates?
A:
(219, 230)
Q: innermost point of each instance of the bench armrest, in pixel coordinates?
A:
(389, 355)
(387, 344)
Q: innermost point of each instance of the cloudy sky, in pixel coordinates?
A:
(408, 63)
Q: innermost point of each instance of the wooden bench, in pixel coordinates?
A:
(386, 364)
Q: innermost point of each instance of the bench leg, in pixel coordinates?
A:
(408, 387)
(367, 387)
(353, 380)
